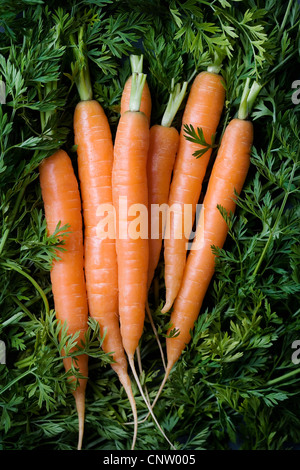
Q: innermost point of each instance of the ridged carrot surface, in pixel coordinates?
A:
(203, 109)
(95, 163)
(62, 203)
(228, 174)
(161, 156)
(130, 185)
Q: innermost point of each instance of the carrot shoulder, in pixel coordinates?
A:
(62, 204)
(203, 110)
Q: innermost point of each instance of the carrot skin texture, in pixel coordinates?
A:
(161, 156)
(228, 174)
(62, 202)
(130, 182)
(203, 109)
(95, 162)
(146, 101)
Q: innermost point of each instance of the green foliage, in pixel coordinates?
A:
(235, 384)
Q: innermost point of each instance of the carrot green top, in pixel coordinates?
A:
(137, 85)
(80, 68)
(248, 98)
(175, 99)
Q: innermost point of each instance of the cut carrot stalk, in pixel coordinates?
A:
(146, 102)
(62, 204)
(95, 161)
(203, 110)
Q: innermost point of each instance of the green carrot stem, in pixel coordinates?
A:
(216, 65)
(175, 99)
(136, 62)
(80, 68)
(248, 98)
(137, 85)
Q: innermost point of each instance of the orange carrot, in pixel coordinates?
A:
(130, 186)
(163, 147)
(130, 182)
(164, 140)
(203, 110)
(62, 203)
(95, 161)
(226, 180)
(146, 102)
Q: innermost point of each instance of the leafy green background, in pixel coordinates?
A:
(235, 385)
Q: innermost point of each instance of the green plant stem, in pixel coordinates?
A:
(136, 62)
(284, 376)
(175, 99)
(275, 225)
(248, 98)
(9, 265)
(137, 85)
(12, 217)
(80, 69)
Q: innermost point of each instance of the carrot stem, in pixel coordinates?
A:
(248, 98)
(80, 68)
(137, 85)
(175, 99)
(136, 62)
(216, 65)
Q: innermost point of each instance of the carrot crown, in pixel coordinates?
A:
(137, 85)
(248, 98)
(175, 99)
(80, 68)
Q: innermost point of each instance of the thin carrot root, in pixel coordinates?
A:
(167, 373)
(125, 381)
(80, 406)
(131, 363)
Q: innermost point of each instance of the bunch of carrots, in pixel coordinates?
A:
(108, 278)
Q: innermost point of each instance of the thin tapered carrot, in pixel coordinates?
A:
(163, 146)
(130, 187)
(164, 141)
(62, 204)
(203, 110)
(146, 101)
(225, 183)
(95, 161)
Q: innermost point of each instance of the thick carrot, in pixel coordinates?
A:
(95, 161)
(203, 110)
(62, 203)
(226, 180)
(164, 140)
(146, 101)
(130, 187)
